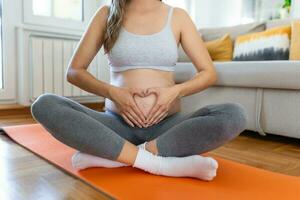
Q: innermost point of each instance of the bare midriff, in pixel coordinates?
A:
(143, 78)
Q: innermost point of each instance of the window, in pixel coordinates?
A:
(65, 9)
(66, 14)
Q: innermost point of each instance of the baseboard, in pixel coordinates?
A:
(17, 109)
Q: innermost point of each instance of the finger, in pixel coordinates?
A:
(138, 91)
(161, 117)
(151, 90)
(135, 107)
(131, 115)
(143, 92)
(136, 118)
(138, 112)
(133, 119)
(156, 114)
(156, 106)
(127, 120)
(153, 110)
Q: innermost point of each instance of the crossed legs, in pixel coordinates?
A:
(108, 136)
(202, 130)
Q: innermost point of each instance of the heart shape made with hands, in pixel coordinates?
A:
(145, 103)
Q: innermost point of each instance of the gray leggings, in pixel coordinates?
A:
(103, 134)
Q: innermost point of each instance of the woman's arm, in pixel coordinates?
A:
(196, 50)
(78, 75)
(87, 49)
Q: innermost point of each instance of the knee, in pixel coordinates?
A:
(42, 104)
(234, 118)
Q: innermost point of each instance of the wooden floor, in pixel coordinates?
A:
(26, 176)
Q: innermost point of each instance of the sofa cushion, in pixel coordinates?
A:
(271, 44)
(278, 22)
(261, 74)
(209, 34)
(220, 50)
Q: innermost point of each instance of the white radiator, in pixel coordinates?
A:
(48, 62)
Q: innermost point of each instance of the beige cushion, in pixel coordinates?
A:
(278, 22)
(209, 34)
(266, 74)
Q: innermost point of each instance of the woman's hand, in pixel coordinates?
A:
(128, 109)
(165, 97)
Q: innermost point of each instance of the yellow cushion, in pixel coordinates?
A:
(267, 33)
(295, 41)
(220, 49)
(272, 44)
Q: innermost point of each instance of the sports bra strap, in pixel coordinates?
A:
(170, 15)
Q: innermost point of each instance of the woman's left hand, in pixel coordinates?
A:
(165, 97)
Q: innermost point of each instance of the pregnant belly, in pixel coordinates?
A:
(145, 103)
(143, 78)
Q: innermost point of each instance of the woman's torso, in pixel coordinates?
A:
(143, 78)
(142, 51)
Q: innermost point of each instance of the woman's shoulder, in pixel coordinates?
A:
(180, 13)
(102, 12)
(181, 16)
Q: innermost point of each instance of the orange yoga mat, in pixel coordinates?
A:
(234, 181)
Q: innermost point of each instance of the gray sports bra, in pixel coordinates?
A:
(155, 51)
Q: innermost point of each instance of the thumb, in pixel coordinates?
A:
(152, 90)
(142, 92)
(139, 91)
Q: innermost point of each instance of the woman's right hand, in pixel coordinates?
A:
(128, 109)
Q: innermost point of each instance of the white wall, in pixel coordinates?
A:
(214, 13)
(269, 9)
(11, 17)
(16, 51)
(295, 8)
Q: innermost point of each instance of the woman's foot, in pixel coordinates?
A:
(195, 166)
(82, 161)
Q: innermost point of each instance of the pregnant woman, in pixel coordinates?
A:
(142, 125)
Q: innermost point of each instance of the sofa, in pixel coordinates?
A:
(269, 90)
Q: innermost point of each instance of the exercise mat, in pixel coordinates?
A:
(234, 181)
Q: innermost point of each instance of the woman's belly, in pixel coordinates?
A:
(143, 78)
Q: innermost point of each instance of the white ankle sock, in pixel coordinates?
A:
(82, 161)
(195, 166)
(143, 145)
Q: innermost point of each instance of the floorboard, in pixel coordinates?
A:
(26, 176)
